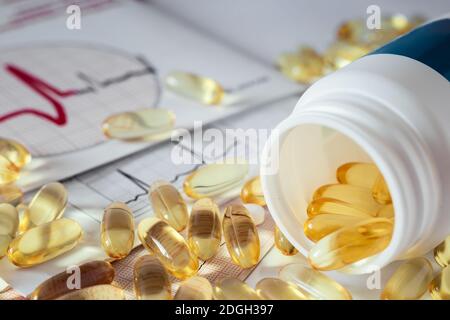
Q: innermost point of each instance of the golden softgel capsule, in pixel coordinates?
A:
(44, 242)
(90, 274)
(15, 152)
(195, 87)
(100, 292)
(410, 281)
(358, 174)
(351, 244)
(151, 281)
(117, 230)
(380, 191)
(333, 206)
(234, 289)
(440, 285)
(195, 288)
(47, 205)
(214, 179)
(386, 211)
(169, 246)
(283, 244)
(442, 253)
(204, 229)
(305, 65)
(140, 125)
(314, 284)
(277, 289)
(8, 171)
(241, 236)
(321, 225)
(9, 222)
(168, 204)
(252, 192)
(11, 194)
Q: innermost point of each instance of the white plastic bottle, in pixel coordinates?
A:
(391, 107)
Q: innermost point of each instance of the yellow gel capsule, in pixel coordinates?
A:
(47, 205)
(252, 193)
(351, 244)
(8, 171)
(304, 66)
(360, 198)
(386, 211)
(140, 125)
(442, 253)
(283, 244)
(151, 281)
(204, 229)
(90, 274)
(321, 225)
(169, 246)
(195, 87)
(15, 152)
(117, 230)
(234, 289)
(277, 289)
(314, 284)
(168, 204)
(9, 222)
(340, 54)
(44, 242)
(241, 236)
(214, 179)
(410, 281)
(380, 191)
(333, 206)
(100, 292)
(440, 285)
(358, 174)
(195, 288)
(11, 194)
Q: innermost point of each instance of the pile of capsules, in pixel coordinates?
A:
(354, 40)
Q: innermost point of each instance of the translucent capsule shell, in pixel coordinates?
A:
(341, 53)
(117, 230)
(140, 125)
(410, 281)
(314, 284)
(442, 253)
(214, 179)
(321, 225)
(151, 281)
(11, 194)
(91, 273)
(252, 192)
(168, 204)
(283, 244)
(440, 285)
(386, 211)
(304, 66)
(100, 292)
(380, 191)
(8, 171)
(351, 244)
(44, 242)
(241, 236)
(201, 89)
(9, 222)
(15, 152)
(204, 229)
(358, 174)
(169, 246)
(47, 205)
(195, 288)
(277, 289)
(234, 289)
(333, 206)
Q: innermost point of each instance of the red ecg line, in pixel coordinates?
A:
(43, 89)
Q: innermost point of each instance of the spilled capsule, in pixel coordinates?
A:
(283, 244)
(117, 230)
(195, 288)
(8, 171)
(11, 194)
(277, 289)
(410, 281)
(440, 286)
(15, 152)
(314, 284)
(47, 205)
(9, 222)
(321, 225)
(304, 66)
(168, 204)
(169, 246)
(90, 274)
(358, 174)
(252, 192)
(201, 89)
(151, 281)
(442, 253)
(44, 242)
(351, 244)
(99, 292)
(333, 206)
(234, 289)
(140, 125)
(214, 179)
(241, 236)
(380, 191)
(204, 229)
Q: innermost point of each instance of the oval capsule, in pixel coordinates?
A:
(380, 191)
(151, 281)
(234, 289)
(169, 246)
(283, 244)
(442, 253)
(241, 236)
(9, 222)
(100, 292)
(8, 171)
(304, 66)
(277, 289)
(195, 288)
(15, 152)
(140, 125)
(47, 205)
(204, 229)
(440, 285)
(333, 206)
(168, 204)
(11, 194)
(359, 174)
(90, 274)
(321, 225)
(117, 230)
(44, 242)
(252, 192)
(214, 179)
(195, 87)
